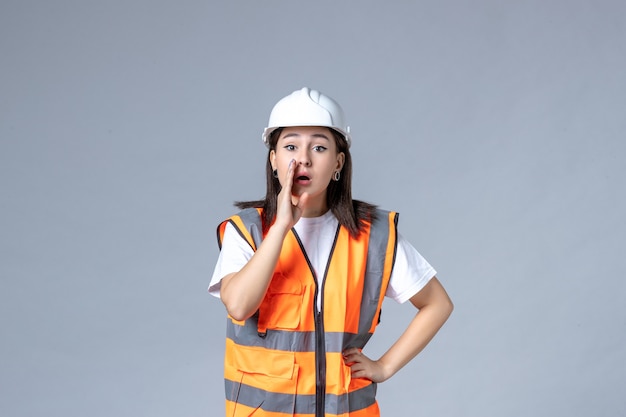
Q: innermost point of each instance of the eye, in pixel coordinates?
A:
(319, 148)
(289, 147)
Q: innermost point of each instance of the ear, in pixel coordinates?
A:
(341, 159)
(273, 159)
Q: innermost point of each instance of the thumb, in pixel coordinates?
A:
(303, 200)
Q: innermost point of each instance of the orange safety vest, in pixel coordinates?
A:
(286, 360)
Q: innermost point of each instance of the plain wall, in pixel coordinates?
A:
(128, 128)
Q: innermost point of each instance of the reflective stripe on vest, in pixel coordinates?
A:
(282, 361)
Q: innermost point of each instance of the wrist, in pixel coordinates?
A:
(386, 369)
(278, 229)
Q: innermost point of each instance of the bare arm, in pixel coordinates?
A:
(434, 307)
(242, 292)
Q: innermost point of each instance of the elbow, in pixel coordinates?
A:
(449, 307)
(237, 310)
(446, 307)
(236, 305)
(238, 314)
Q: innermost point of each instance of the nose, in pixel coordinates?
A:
(304, 159)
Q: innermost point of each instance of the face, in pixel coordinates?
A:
(315, 153)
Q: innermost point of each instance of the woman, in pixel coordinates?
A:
(303, 272)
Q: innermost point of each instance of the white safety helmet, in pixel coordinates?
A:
(307, 107)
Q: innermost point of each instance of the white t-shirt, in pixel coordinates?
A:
(411, 272)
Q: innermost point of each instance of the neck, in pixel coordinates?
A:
(314, 213)
(314, 208)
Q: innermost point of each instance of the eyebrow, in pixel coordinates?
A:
(315, 135)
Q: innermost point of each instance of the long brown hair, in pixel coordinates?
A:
(350, 213)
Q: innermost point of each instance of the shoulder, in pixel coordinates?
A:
(247, 213)
(244, 218)
(368, 212)
(249, 225)
(384, 218)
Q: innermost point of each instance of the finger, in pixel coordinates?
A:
(360, 374)
(303, 200)
(351, 351)
(289, 175)
(352, 354)
(353, 358)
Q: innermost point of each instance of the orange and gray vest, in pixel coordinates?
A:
(286, 360)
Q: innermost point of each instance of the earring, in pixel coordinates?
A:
(275, 173)
(336, 176)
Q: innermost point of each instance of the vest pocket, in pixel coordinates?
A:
(267, 382)
(282, 308)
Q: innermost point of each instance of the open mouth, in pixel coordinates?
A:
(303, 178)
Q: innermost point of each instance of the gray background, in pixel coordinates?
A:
(128, 128)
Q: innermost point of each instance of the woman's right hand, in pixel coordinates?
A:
(243, 291)
(289, 207)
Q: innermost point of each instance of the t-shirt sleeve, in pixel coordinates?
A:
(411, 272)
(235, 253)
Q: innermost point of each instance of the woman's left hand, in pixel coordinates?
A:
(434, 308)
(364, 367)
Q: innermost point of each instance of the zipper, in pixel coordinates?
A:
(320, 339)
(320, 362)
